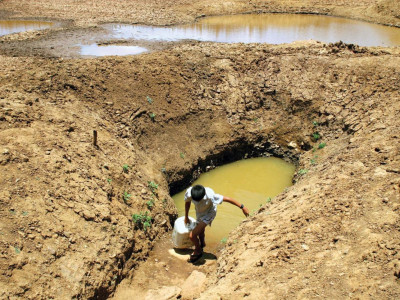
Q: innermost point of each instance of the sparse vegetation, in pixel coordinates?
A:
(182, 155)
(153, 187)
(313, 160)
(302, 171)
(152, 116)
(126, 196)
(269, 199)
(316, 136)
(125, 168)
(142, 220)
(321, 145)
(150, 203)
(224, 240)
(149, 99)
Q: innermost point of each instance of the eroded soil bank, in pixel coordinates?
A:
(66, 227)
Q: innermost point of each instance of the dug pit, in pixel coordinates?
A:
(253, 182)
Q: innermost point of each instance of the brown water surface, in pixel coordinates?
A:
(15, 26)
(251, 181)
(266, 28)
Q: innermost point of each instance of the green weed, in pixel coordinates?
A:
(152, 116)
(321, 145)
(17, 250)
(269, 199)
(315, 123)
(316, 136)
(149, 99)
(109, 180)
(302, 171)
(313, 160)
(182, 155)
(153, 187)
(125, 168)
(126, 196)
(142, 220)
(150, 203)
(224, 240)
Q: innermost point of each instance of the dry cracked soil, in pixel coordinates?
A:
(162, 118)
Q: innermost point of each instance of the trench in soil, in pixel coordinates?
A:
(252, 182)
(243, 172)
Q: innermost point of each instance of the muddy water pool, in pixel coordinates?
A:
(15, 26)
(265, 28)
(251, 181)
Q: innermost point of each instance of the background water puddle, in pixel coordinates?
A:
(250, 181)
(266, 28)
(15, 26)
(96, 50)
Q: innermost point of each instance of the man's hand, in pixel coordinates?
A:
(187, 221)
(245, 211)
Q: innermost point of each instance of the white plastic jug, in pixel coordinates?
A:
(180, 235)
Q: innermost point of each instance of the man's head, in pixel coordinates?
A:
(198, 192)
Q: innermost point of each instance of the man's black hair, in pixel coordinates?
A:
(198, 192)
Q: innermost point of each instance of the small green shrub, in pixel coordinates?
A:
(182, 155)
(150, 203)
(224, 240)
(126, 196)
(321, 145)
(302, 171)
(313, 160)
(109, 180)
(142, 221)
(152, 116)
(316, 136)
(153, 187)
(269, 199)
(125, 168)
(149, 99)
(315, 123)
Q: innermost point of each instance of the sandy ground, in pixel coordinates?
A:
(67, 205)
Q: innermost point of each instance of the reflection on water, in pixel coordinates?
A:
(14, 26)
(267, 28)
(96, 50)
(249, 181)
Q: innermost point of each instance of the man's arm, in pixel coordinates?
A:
(235, 202)
(187, 207)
